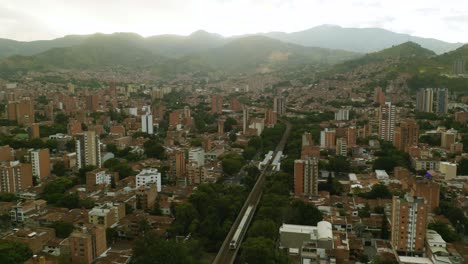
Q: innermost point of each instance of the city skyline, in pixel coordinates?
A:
(26, 21)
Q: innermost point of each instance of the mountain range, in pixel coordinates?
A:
(203, 51)
(360, 40)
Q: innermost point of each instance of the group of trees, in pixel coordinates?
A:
(154, 149)
(14, 252)
(152, 249)
(274, 209)
(232, 163)
(125, 153)
(377, 191)
(208, 216)
(56, 192)
(120, 166)
(389, 157)
(455, 215)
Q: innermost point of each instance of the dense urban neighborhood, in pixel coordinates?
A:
(256, 151)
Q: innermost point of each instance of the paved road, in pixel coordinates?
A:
(226, 255)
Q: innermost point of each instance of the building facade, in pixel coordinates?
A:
(409, 219)
(306, 177)
(88, 149)
(387, 115)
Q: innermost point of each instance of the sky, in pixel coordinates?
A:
(47, 19)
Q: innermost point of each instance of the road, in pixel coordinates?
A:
(225, 254)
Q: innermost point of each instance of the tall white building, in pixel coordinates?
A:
(387, 115)
(149, 176)
(147, 124)
(341, 147)
(197, 156)
(88, 149)
(279, 105)
(342, 115)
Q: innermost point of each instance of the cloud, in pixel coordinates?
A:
(21, 26)
(26, 19)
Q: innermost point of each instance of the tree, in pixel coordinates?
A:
(258, 250)
(229, 124)
(8, 197)
(154, 149)
(305, 214)
(339, 164)
(232, 163)
(379, 190)
(54, 191)
(59, 169)
(62, 229)
(443, 229)
(364, 212)
(155, 250)
(83, 171)
(249, 153)
(463, 167)
(14, 252)
(264, 228)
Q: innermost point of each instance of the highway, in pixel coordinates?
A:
(225, 254)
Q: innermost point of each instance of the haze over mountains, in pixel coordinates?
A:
(323, 45)
(361, 40)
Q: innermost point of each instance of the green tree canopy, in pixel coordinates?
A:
(14, 252)
(62, 229)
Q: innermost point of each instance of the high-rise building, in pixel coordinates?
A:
(174, 118)
(33, 131)
(448, 138)
(92, 103)
(379, 96)
(88, 149)
(387, 121)
(87, 244)
(7, 153)
(40, 162)
(216, 104)
(146, 196)
(245, 119)
(177, 161)
(197, 155)
(441, 100)
(221, 122)
(341, 147)
(409, 219)
(432, 100)
(425, 100)
(342, 115)
(149, 176)
(98, 179)
(327, 138)
(406, 135)
(279, 105)
(306, 177)
(270, 118)
(15, 177)
(147, 124)
(21, 111)
(351, 135)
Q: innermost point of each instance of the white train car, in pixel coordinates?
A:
(241, 228)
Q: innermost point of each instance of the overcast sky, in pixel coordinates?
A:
(45, 19)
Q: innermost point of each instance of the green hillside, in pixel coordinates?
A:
(248, 54)
(257, 53)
